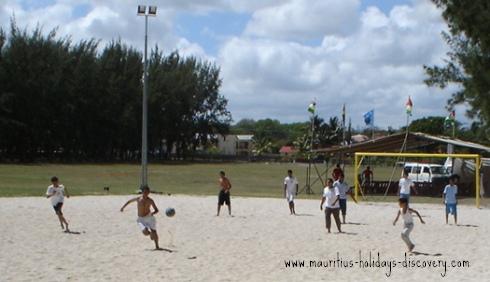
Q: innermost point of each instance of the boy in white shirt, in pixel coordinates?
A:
(290, 190)
(449, 198)
(405, 185)
(406, 214)
(343, 190)
(330, 201)
(57, 193)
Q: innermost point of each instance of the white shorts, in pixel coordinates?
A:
(147, 222)
(289, 197)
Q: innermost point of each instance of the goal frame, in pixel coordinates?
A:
(358, 156)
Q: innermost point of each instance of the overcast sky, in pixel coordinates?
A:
(276, 56)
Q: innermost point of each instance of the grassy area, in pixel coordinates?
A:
(248, 179)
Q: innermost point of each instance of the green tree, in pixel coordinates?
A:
(468, 61)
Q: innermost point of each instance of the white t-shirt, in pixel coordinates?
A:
(343, 188)
(290, 183)
(405, 184)
(450, 192)
(330, 195)
(59, 194)
(407, 217)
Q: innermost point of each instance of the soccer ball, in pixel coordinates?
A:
(170, 212)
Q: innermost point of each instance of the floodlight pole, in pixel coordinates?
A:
(144, 121)
(144, 133)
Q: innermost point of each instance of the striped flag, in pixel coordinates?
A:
(409, 105)
(312, 108)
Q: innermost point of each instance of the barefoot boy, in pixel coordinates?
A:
(449, 198)
(290, 190)
(57, 192)
(146, 221)
(406, 214)
(224, 193)
(343, 190)
(330, 201)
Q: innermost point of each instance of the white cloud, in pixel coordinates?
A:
(376, 66)
(298, 19)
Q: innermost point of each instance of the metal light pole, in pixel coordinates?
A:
(142, 11)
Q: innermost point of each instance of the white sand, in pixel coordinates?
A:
(251, 246)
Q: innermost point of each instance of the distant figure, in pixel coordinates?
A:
(367, 176)
(405, 185)
(337, 171)
(343, 191)
(290, 190)
(224, 193)
(57, 193)
(146, 220)
(330, 201)
(406, 214)
(449, 198)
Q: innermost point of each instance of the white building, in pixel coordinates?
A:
(235, 145)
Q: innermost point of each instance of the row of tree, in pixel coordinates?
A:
(75, 101)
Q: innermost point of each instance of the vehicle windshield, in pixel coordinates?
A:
(438, 170)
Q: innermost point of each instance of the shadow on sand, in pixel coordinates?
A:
(467, 225)
(303, 214)
(164, 250)
(73, 232)
(415, 253)
(354, 223)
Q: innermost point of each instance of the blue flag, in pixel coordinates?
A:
(369, 117)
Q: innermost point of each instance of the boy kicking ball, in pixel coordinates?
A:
(406, 214)
(145, 220)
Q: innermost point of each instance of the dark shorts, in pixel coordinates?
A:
(343, 205)
(57, 208)
(223, 198)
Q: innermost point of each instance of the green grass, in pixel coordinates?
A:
(248, 179)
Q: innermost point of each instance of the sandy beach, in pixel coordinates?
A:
(255, 244)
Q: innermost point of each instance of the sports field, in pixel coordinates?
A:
(248, 179)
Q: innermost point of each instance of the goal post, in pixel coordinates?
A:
(360, 155)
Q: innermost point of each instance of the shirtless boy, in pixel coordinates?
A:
(146, 221)
(224, 193)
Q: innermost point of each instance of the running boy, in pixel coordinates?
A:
(146, 220)
(449, 198)
(330, 201)
(290, 190)
(57, 193)
(406, 214)
(224, 193)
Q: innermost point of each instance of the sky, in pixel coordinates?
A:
(277, 56)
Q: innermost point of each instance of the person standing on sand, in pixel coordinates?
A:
(146, 220)
(290, 190)
(337, 171)
(330, 201)
(405, 185)
(224, 193)
(57, 193)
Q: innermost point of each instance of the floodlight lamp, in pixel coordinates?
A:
(152, 10)
(141, 10)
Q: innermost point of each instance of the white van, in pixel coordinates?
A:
(423, 172)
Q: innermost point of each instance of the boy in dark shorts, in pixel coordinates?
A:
(224, 193)
(57, 192)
